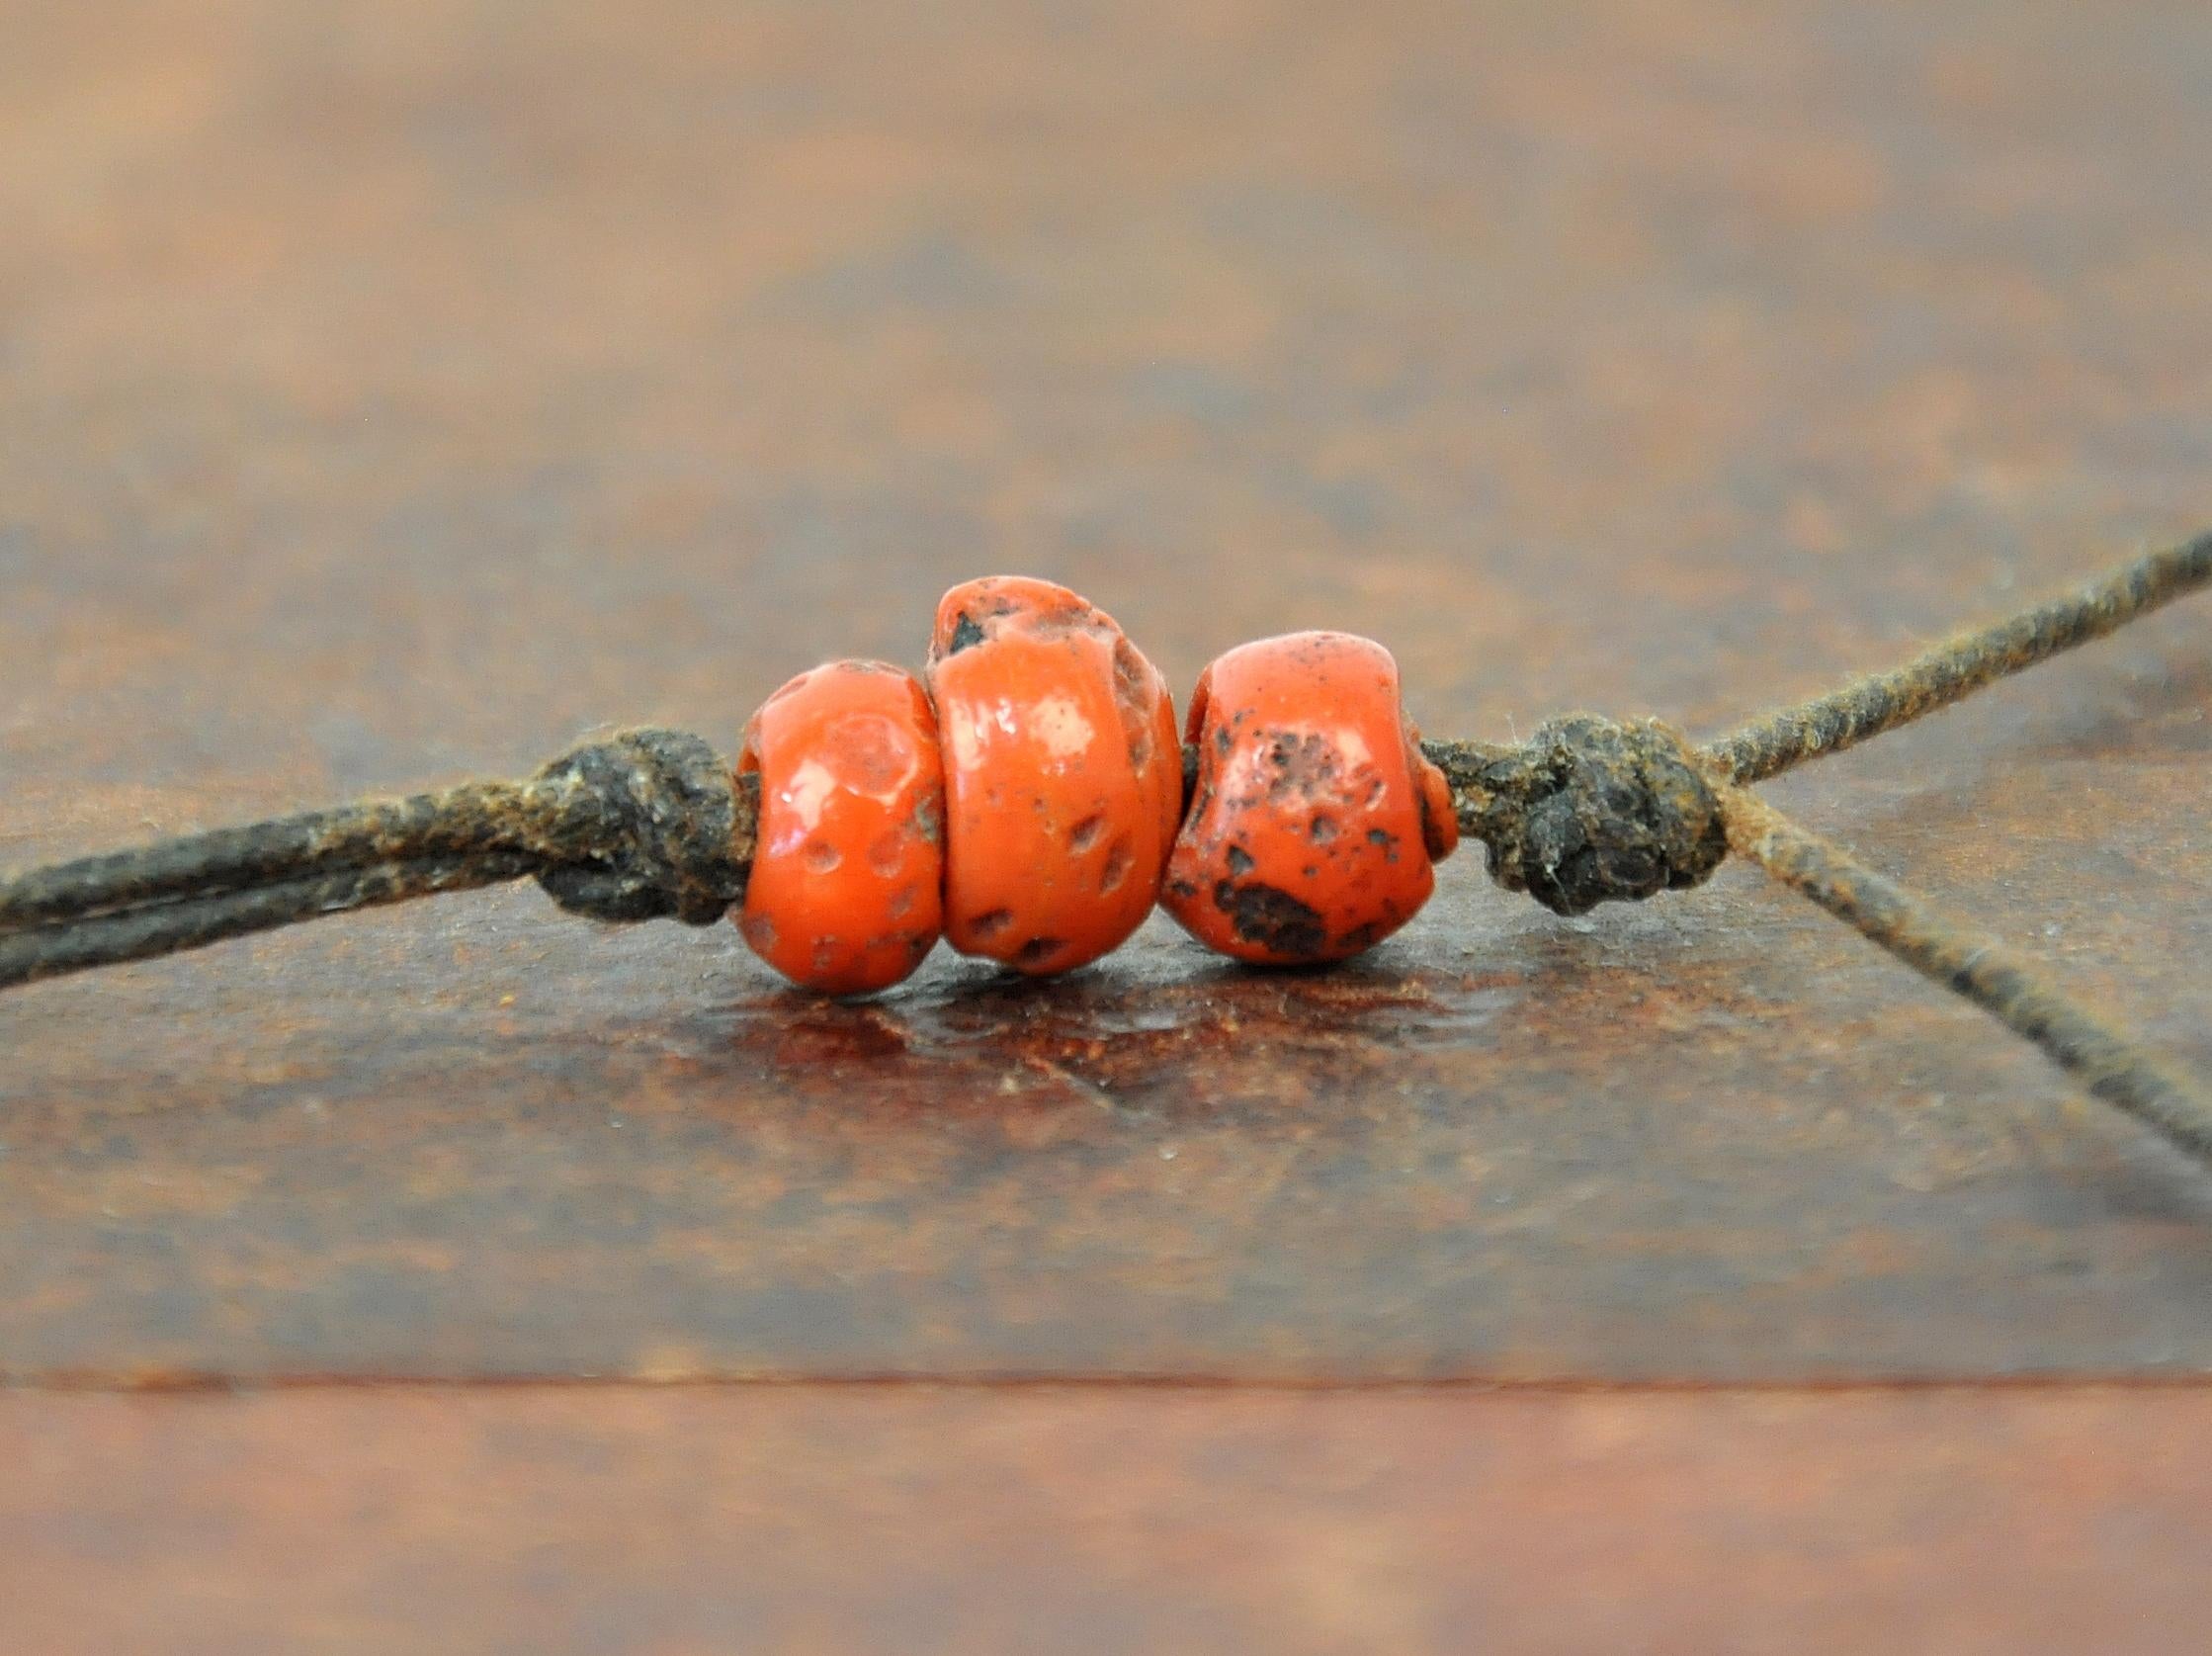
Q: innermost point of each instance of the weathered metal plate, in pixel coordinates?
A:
(391, 393)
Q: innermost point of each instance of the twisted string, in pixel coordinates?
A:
(2108, 1060)
(1959, 665)
(1589, 811)
(651, 823)
(647, 823)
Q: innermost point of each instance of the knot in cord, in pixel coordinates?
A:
(643, 824)
(1591, 810)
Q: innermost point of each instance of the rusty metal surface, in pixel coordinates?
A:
(645, 1523)
(391, 393)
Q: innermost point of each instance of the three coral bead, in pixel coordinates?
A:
(1316, 817)
(1027, 796)
(847, 888)
(1063, 777)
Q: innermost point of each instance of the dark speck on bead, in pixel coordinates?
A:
(1272, 918)
(1036, 952)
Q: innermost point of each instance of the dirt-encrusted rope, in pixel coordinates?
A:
(1591, 810)
(641, 825)
(651, 823)
(2112, 1064)
(1961, 665)
(648, 824)
(172, 927)
(1588, 811)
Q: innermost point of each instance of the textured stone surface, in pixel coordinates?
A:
(391, 393)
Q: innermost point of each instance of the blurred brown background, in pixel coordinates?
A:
(389, 393)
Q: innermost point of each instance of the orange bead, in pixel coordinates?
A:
(1063, 776)
(1315, 816)
(846, 893)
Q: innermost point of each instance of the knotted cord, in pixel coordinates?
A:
(644, 825)
(652, 824)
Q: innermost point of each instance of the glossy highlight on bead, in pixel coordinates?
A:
(1063, 775)
(846, 894)
(1314, 818)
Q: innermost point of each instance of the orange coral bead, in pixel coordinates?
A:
(1063, 776)
(1315, 816)
(846, 893)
